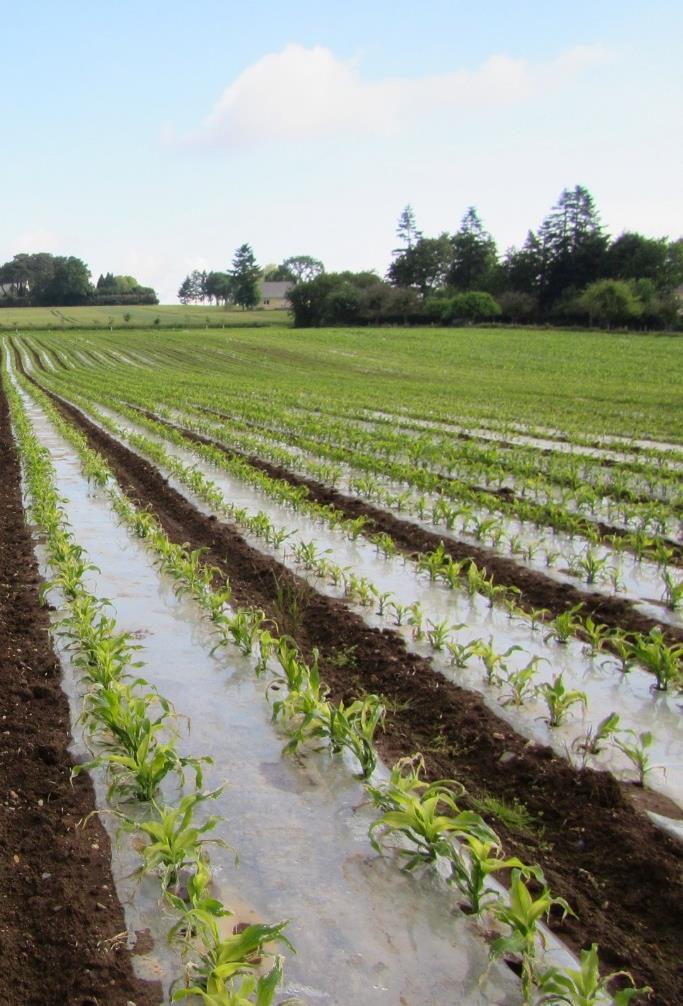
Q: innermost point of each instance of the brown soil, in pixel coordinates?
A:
(60, 920)
(620, 874)
(537, 589)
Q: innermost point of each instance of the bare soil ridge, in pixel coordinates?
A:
(59, 915)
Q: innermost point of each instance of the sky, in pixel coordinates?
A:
(155, 137)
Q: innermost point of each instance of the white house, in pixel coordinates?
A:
(274, 294)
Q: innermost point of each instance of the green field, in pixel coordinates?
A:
(141, 316)
(259, 474)
(586, 382)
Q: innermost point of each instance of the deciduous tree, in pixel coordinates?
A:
(471, 305)
(632, 256)
(219, 286)
(424, 266)
(70, 283)
(298, 269)
(611, 301)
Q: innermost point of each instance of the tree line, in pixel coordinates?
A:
(568, 271)
(240, 285)
(49, 280)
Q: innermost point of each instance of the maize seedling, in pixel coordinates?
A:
(221, 960)
(559, 700)
(636, 751)
(522, 914)
(425, 814)
(520, 683)
(584, 986)
(473, 863)
(592, 741)
(175, 842)
(563, 626)
(661, 660)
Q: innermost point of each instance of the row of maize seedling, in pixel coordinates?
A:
(589, 564)
(437, 563)
(446, 448)
(650, 651)
(423, 814)
(643, 541)
(306, 712)
(320, 415)
(447, 452)
(665, 660)
(550, 513)
(531, 501)
(587, 561)
(499, 427)
(433, 830)
(646, 524)
(130, 728)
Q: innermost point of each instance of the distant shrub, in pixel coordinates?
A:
(475, 305)
(518, 307)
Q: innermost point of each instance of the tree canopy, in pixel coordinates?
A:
(111, 289)
(552, 277)
(611, 301)
(42, 279)
(245, 275)
(406, 230)
(472, 305)
(347, 298)
(474, 257)
(296, 269)
(424, 265)
(545, 278)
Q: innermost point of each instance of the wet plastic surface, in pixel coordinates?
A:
(607, 690)
(364, 932)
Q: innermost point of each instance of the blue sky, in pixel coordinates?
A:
(155, 137)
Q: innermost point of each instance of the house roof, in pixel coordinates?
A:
(275, 288)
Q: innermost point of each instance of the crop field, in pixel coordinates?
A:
(371, 642)
(134, 316)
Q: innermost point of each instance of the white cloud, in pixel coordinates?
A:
(303, 93)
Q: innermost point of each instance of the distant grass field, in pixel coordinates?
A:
(141, 316)
(598, 382)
